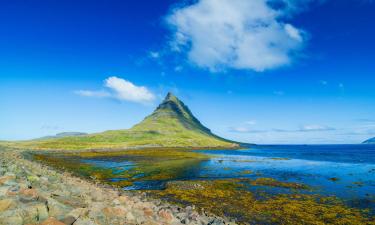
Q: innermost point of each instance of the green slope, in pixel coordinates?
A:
(170, 125)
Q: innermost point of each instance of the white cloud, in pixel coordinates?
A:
(99, 94)
(250, 122)
(245, 130)
(125, 90)
(239, 34)
(293, 32)
(122, 90)
(309, 128)
(154, 55)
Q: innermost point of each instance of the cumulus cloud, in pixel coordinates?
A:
(122, 90)
(126, 90)
(239, 34)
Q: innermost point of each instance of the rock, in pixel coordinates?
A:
(27, 195)
(13, 190)
(77, 213)
(148, 212)
(130, 216)
(3, 191)
(84, 221)
(123, 199)
(11, 219)
(42, 211)
(6, 180)
(117, 211)
(51, 221)
(69, 220)
(71, 201)
(56, 209)
(6, 204)
(166, 215)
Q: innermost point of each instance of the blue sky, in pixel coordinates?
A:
(277, 71)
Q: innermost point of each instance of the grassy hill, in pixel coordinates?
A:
(170, 125)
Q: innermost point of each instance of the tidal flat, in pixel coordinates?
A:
(243, 185)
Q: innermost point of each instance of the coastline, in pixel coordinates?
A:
(32, 193)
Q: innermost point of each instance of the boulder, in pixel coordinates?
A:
(28, 195)
(7, 179)
(56, 209)
(52, 221)
(166, 215)
(6, 204)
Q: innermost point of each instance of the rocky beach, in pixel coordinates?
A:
(31, 193)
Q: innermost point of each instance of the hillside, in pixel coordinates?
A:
(369, 141)
(171, 125)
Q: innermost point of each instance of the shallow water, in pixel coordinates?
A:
(345, 171)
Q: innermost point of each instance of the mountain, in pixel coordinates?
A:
(369, 141)
(170, 125)
(63, 134)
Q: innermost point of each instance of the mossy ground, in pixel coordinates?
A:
(230, 198)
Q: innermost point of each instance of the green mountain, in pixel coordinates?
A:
(171, 125)
(369, 141)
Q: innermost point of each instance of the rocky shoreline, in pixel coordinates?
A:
(31, 193)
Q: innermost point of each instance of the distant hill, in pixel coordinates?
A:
(369, 141)
(63, 134)
(171, 125)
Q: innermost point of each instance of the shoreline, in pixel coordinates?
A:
(32, 193)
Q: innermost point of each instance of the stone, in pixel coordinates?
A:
(69, 220)
(27, 195)
(32, 213)
(78, 212)
(117, 211)
(52, 221)
(42, 211)
(166, 215)
(130, 216)
(5, 180)
(84, 221)
(13, 190)
(148, 212)
(11, 220)
(3, 191)
(56, 209)
(6, 204)
(122, 199)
